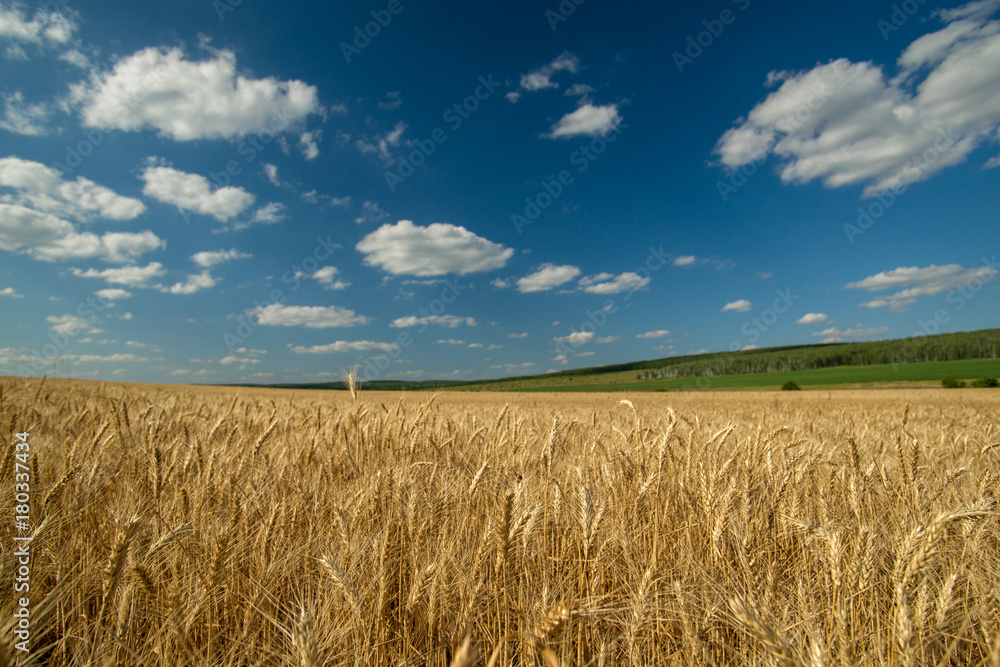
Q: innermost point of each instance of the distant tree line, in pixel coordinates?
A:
(983, 344)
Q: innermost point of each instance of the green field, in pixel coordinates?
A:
(928, 373)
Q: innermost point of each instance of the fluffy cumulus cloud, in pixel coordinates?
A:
(408, 249)
(193, 192)
(449, 321)
(40, 215)
(327, 277)
(133, 276)
(71, 325)
(606, 283)
(658, 333)
(21, 117)
(813, 318)
(684, 260)
(345, 346)
(311, 317)
(113, 294)
(588, 120)
(209, 258)
(43, 28)
(849, 123)
(740, 306)
(195, 282)
(577, 338)
(918, 282)
(547, 277)
(185, 100)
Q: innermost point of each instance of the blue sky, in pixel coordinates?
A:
(270, 192)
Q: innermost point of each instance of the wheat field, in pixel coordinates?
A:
(219, 526)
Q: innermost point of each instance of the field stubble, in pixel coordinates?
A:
(263, 527)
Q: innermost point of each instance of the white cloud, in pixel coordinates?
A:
(547, 277)
(393, 100)
(76, 58)
(604, 283)
(849, 123)
(345, 346)
(233, 359)
(475, 345)
(500, 283)
(311, 317)
(684, 260)
(541, 78)
(325, 277)
(576, 338)
(42, 189)
(71, 325)
(659, 333)
(96, 358)
(405, 248)
(518, 335)
(266, 215)
(113, 294)
(927, 281)
(450, 321)
(271, 171)
(835, 335)
(309, 144)
(22, 118)
(195, 282)
(47, 237)
(209, 258)
(45, 27)
(193, 192)
(587, 120)
(313, 197)
(134, 276)
(514, 367)
(608, 339)
(371, 212)
(185, 100)
(383, 145)
(813, 318)
(11, 292)
(451, 341)
(579, 90)
(740, 306)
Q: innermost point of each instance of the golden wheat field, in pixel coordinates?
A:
(217, 526)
